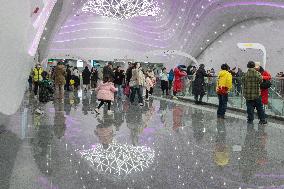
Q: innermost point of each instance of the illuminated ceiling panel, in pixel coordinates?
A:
(186, 25)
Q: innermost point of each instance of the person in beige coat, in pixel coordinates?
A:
(59, 80)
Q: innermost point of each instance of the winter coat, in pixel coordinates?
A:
(265, 92)
(108, 72)
(138, 77)
(59, 75)
(178, 74)
(224, 81)
(198, 87)
(86, 75)
(171, 75)
(118, 78)
(95, 76)
(105, 91)
(148, 83)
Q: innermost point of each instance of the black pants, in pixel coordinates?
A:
(165, 86)
(196, 98)
(36, 85)
(170, 85)
(102, 103)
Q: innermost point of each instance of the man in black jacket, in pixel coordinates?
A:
(108, 71)
(118, 81)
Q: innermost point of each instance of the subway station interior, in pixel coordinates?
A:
(209, 109)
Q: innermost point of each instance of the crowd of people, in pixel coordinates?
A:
(137, 83)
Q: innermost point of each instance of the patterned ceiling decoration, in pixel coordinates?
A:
(122, 9)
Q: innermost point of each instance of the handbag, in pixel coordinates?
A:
(266, 84)
(126, 90)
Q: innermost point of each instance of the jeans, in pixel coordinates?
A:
(251, 105)
(223, 100)
(137, 90)
(119, 92)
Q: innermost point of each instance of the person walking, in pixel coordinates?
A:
(118, 81)
(86, 75)
(59, 80)
(198, 88)
(94, 78)
(148, 85)
(178, 74)
(164, 81)
(105, 94)
(251, 90)
(224, 85)
(265, 85)
(37, 77)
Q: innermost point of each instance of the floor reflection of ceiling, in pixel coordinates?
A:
(119, 159)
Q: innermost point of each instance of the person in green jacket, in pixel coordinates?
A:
(251, 90)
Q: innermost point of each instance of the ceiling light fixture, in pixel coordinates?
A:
(122, 9)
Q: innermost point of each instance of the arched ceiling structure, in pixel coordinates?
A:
(185, 25)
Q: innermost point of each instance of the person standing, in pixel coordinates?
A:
(76, 78)
(37, 77)
(171, 79)
(68, 78)
(224, 85)
(136, 83)
(198, 88)
(265, 85)
(178, 74)
(59, 80)
(164, 81)
(108, 71)
(251, 90)
(94, 78)
(118, 81)
(86, 75)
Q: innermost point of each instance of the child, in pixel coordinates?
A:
(45, 89)
(105, 93)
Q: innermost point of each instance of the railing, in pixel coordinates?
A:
(236, 99)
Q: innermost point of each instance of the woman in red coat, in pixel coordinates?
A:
(178, 74)
(265, 76)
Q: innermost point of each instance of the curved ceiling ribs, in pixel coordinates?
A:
(185, 25)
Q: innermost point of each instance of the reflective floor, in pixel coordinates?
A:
(166, 144)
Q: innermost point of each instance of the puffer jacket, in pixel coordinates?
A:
(224, 81)
(138, 77)
(59, 75)
(105, 91)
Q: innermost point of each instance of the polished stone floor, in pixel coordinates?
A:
(164, 145)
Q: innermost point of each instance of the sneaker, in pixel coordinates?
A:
(97, 111)
(264, 122)
(175, 98)
(109, 112)
(141, 104)
(147, 99)
(38, 111)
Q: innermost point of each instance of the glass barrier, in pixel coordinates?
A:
(236, 99)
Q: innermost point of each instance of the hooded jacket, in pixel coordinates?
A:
(224, 80)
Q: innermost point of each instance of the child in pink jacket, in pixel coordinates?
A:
(105, 93)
